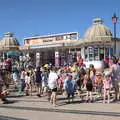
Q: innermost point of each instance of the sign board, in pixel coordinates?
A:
(39, 40)
(46, 46)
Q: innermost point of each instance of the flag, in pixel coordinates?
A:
(114, 19)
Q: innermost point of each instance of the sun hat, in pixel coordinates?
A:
(46, 65)
(107, 73)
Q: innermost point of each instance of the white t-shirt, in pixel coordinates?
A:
(22, 75)
(52, 80)
(27, 79)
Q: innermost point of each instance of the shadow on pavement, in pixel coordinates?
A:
(15, 96)
(10, 118)
(99, 113)
(30, 100)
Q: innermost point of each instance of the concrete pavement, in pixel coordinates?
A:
(34, 108)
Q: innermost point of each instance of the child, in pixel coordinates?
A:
(15, 78)
(70, 87)
(107, 85)
(27, 83)
(92, 72)
(22, 82)
(89, 87)
(99, 83)
(45, 74)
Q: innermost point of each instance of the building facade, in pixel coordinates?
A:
(66, 48)
(54, 49)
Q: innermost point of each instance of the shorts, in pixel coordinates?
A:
(54, 90)
(116, 86)
(39, 84)
(89, 87)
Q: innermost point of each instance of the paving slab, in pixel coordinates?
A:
(34, 108)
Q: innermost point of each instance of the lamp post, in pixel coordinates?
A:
(114, 20)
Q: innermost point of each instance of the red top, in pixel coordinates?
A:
(80, 62)
(106, 60)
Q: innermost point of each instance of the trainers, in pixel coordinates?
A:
(103, 102)
(27, 94)
(54, 105)
(38, 95)
(51, 101)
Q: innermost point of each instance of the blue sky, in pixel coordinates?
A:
(39, 17)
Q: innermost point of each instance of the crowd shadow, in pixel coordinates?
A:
(10, 118)
(14, 100)
(62, 103)
(24, 100)
(86, 112)
(72, 102)
(15, 96)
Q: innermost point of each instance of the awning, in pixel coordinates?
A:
(13, 53)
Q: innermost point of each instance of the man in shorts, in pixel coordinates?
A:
(52, 84)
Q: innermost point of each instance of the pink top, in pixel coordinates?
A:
(85, 79)
(107, 83)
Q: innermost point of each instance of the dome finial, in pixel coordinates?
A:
(8, 34)
(97, 21)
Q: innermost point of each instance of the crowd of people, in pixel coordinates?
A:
(72, 81)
